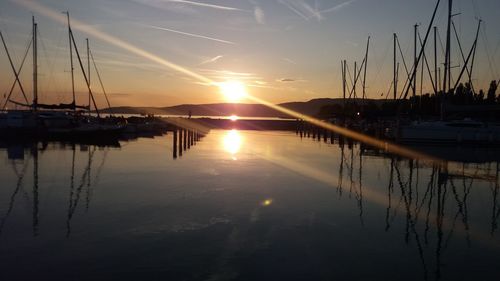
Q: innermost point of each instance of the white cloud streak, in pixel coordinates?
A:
(302, 9)
(212, 60)
(205, 5)
(338, 7)
(192, 35)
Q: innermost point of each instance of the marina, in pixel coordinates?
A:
(220, 140)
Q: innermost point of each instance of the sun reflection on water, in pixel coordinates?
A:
(232, 142)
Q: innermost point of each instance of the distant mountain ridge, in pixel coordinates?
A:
(310, 108)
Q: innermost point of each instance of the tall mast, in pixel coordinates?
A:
(71, 60)
(407, 88)
(366, 65)
(395, 81)
(415, 62)
(447, 72)
(35, 67)
(342, 63)
(355, 78)
(474, 56)
(435, 60)
(88, 72)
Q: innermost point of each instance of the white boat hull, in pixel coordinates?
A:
(442, 132)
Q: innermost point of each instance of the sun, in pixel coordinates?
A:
(233, 91)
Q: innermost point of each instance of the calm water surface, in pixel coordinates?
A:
(243, 206)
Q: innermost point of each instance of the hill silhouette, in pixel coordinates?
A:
(310, 108)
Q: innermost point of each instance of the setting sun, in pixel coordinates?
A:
(233, 91)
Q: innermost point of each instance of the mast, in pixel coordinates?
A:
(447, 72)
(435, 60)
(71, 60)
(355, 79)
(407, 88)
(88, 72)
(395, 82)
(35, 66)
(447, 68)
(474, 56)
(366, 65)
(342, 63)
(415, 61)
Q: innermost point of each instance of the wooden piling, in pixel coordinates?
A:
(185, 139)
(174, 148)
(180, 142)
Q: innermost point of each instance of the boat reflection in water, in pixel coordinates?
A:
(289, 208)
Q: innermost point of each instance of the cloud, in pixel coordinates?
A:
(205, 5)
(302, 9)
(354, 44)
(259, 15)
(230, 75)
(286, 80)
(192, 35)
(290, 61)
(338, 7)
(212, 60)
(168, 6)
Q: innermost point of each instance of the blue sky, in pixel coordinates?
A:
(284, 50)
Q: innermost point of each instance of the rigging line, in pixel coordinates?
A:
(389, 91)
(406, 68)
(49, 62)
(402, 56)
(357, 77)
(440, 43)
(350, 77)
(84, 75)
(497, 47)
(375, 78)
(428, 69)
(487, 49)
(460, 48)
(100, 80)
(475, 9)
(18, 71)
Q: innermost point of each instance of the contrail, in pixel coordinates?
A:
(338, 7)
(200, 4)
(34, 6)
(192, 35)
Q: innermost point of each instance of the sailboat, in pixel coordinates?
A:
(455, 131)
(55, 120)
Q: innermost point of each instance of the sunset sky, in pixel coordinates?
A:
(166, 52)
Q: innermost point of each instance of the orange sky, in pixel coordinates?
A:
(160, 53)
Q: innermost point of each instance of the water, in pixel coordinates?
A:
(243, 205)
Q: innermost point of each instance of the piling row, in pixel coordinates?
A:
(184, 139)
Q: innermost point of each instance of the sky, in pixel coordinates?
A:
(168, 52)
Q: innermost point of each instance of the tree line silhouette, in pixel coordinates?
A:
(461, 102)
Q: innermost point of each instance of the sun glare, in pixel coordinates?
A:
(233, 118)
(233, 91)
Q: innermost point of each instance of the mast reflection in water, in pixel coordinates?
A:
(290, 207)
